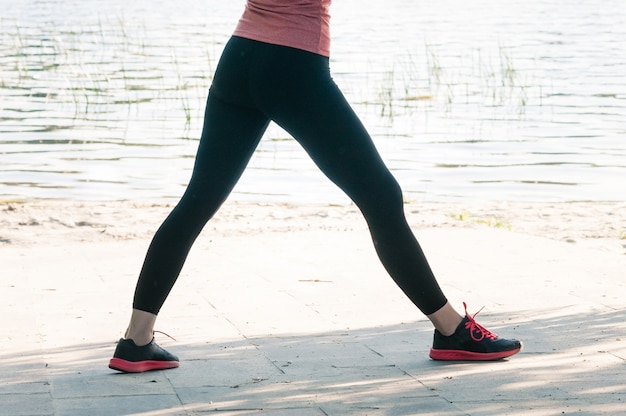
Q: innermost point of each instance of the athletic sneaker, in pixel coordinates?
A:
(129, 358)
(472, 342)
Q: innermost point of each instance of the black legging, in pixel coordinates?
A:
(257, 82)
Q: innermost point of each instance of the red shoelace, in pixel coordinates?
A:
(477, 332)
(172, 338)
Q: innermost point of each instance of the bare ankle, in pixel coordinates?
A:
(141, 327)
(139, 339)
(446, 320)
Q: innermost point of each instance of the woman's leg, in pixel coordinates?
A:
(301, 97)
(308, 104)
(231, 132)
(230, 135)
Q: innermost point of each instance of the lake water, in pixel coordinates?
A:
(481, 100)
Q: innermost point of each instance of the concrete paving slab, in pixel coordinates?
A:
(27, 404)
(145, 405)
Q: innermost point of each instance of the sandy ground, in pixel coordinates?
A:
(592, 224)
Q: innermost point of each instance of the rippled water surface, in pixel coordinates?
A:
(483, 100)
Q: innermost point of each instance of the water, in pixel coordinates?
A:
(493, 100)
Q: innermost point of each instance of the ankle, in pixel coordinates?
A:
(450, 327)
(139, 339)
(140, 328)
(446, 320)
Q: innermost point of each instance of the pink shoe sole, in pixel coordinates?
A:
(460, 355)
(140, 366)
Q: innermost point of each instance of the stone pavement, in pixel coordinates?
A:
(308, 323)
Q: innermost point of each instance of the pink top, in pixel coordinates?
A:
(301, 24)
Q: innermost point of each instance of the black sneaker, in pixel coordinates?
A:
(129, 358)
(472, 342)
